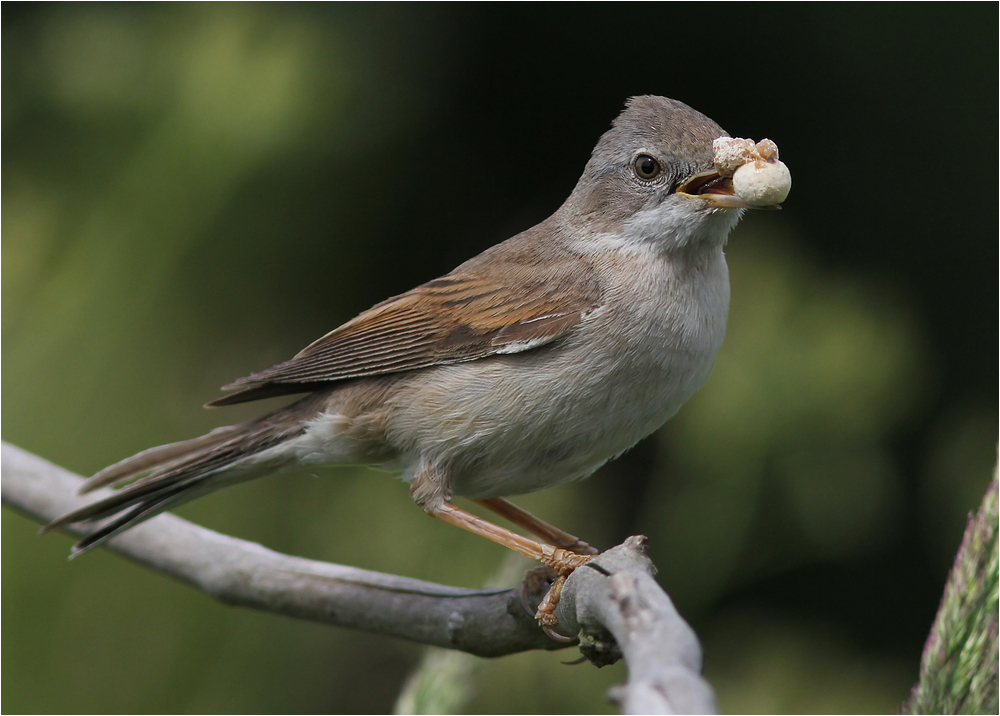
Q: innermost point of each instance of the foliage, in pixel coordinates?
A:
(958, 671)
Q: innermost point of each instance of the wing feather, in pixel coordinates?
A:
(459, 317)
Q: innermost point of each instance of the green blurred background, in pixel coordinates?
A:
(192, 192)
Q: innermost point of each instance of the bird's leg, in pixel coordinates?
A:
(541, 529)
(551, 534)
(561, 560)
(428, 491)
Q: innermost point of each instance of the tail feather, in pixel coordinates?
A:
(154, 458)
(140, 512)
(179, 472)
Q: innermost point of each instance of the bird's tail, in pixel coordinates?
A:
(176, 473)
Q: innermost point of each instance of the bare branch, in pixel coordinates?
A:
(242, 573)
(613, 603)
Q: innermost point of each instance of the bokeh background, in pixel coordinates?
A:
(192, 192)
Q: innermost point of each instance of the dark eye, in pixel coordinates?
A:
(646, 167)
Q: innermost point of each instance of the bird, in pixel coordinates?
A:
(529, 365)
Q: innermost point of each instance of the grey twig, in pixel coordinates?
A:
(624, 608)
(613, 604)
(242, 573)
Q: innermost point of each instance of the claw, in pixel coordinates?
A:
(522, 594)
(556, 636)
(533, 582)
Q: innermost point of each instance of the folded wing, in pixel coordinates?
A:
(459, 317)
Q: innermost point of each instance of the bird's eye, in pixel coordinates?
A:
(646, 167)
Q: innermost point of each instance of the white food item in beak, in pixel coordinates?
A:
(762, 183)
(759, 178)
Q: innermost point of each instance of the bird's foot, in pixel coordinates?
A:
(556, 569)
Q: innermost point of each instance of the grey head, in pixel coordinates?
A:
(654, 171)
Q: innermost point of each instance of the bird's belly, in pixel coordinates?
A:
(597, 423)
(517, 424)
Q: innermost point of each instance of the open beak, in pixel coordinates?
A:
(716, 191)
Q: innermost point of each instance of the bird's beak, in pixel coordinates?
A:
(716, 191)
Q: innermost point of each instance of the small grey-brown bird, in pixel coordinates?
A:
(527, 366)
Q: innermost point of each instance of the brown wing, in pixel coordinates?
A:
(456, 318)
